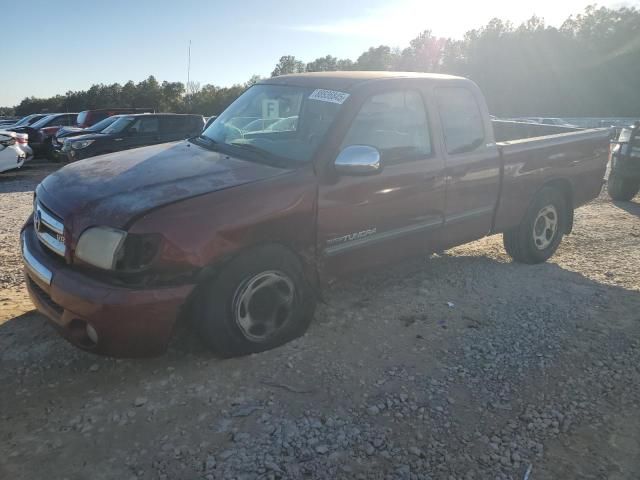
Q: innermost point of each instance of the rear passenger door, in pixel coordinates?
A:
(364, 220)
(472, 165)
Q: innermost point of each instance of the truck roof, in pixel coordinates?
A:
(350, 79)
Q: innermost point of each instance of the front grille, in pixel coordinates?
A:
(44, 296)
(49, 228)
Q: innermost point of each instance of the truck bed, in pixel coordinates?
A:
(573, 158)
(506, 130)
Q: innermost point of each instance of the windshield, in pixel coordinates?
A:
(102, 124)
(26, 120)
(279, 121)
(119, 125)
(43, 121)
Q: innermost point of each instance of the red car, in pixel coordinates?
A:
(240, 227)
(87, 118)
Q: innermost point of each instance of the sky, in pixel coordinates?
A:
(72, 44)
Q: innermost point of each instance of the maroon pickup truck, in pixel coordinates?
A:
(303, 179)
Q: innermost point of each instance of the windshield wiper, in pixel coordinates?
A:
(251, 147)
(261, 154)
(205, 141)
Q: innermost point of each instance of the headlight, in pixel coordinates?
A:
(77, 145)
(112, 249)
(100, 246)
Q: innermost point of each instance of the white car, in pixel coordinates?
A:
(14, 150)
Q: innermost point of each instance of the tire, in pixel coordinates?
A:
(534, 240)
(260, 300)
(48, 152)
(623, 189)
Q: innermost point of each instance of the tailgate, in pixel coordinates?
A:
(578, 159)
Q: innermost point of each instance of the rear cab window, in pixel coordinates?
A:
(461, 119)
(395, 123)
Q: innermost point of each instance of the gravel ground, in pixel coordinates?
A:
(460, 366)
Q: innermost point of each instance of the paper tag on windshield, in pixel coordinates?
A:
(330, 96)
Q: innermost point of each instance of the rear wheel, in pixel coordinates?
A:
(259, 301)
(539, 234)
(620, 188)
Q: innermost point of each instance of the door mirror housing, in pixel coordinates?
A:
(358, 160)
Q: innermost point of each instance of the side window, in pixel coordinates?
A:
(395, 123)
(185, 124)
(196, 125)
(54, 122)
(145, 125)
(170, 124)
(462, 122)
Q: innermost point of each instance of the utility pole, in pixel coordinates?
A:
(189, 77)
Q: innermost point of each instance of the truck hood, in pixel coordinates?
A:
(114, 189)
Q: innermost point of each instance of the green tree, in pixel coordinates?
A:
(286, 65)
(424, 54)
(323, 64)
(378, 58)
(589, 66)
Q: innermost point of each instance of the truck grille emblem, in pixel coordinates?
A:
(37, 223)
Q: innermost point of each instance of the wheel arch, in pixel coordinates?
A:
(211, 271)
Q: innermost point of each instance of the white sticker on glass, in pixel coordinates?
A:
(270, 109)
(330, 96)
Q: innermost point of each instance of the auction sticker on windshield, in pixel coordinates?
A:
(329, 96)
(270, 109)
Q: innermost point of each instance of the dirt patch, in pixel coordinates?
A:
(463, 365)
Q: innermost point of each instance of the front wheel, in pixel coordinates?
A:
(539, 234)
(623, 189)
(260, 300)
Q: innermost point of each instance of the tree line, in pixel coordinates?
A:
(589, 66)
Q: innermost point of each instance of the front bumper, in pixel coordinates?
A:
(69, 155)
(58, 154)
(128, 322)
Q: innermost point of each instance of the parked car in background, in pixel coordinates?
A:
(239, 230)
(54, 150)
(209, 121)
(25, 121)
(41, 131)
(133, 131)
(624, 178)
(8, 120)
(88, 118)
(14, 150)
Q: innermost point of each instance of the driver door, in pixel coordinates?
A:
(374, 219)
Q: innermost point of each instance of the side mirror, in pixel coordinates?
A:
(358, 160)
